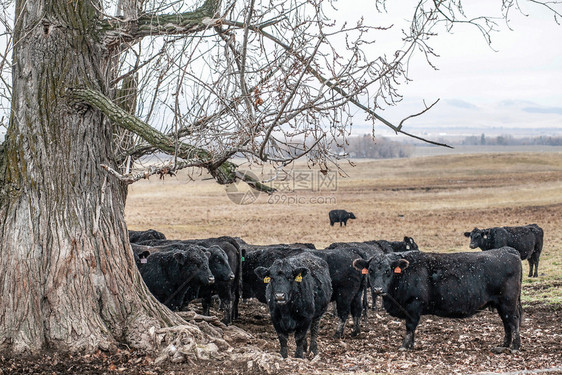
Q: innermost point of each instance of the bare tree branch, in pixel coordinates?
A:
(224, 172)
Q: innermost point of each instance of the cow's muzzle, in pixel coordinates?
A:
(211, 279)
(280, 298)
(231, 276)
(378, 291)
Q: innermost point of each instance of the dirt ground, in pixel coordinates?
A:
(443, 346)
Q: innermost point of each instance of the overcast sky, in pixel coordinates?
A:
(519, 85)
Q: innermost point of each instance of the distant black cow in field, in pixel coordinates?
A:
(527, 240)
(454, 285)
(298, 293)
(340, 216)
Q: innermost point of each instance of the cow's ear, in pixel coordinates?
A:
(399, 265)
(180, 257)
(360, 264)
(300, 271)
(403, 263)
(261, 272)
(467, 234)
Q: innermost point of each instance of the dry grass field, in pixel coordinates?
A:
(434, 199)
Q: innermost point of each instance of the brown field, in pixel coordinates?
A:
(433, 199)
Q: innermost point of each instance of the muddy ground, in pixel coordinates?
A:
(443, 346)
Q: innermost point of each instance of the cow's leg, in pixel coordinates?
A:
(283, 338)
(530, 260)
(341, 223)
(510, 314)
(206, 305)
(356, 308)
(365, 305)
(236, 300)
(227, 319)
(535, 261)
(225, 296)
(342, 308)
(300, 340)
(314, 329)
(411, 325)
(331, 223)
(374, 298)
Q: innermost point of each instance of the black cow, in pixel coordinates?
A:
(230, 291)
(396, 246)
(347, 285)
(138, 236)
(527, 240)
(296, 245)
(365, 250)
(298, 293)
(449, 285)
(340, 216)
(224, 278)
(140, 253)
(174, 273)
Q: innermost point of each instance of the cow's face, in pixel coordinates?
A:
(282, 280)
(351, 215)
(478, 238)
(194, 262)
(382, 270)
(410, 243)
(218, 264)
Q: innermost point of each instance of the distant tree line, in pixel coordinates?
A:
(509, 140)
(367, 147)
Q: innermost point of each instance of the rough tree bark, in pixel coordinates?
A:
(67, 276)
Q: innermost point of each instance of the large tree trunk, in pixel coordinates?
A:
(67, 277)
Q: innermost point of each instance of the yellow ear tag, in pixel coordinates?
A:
(266, 280)
(365, 271)
(298, 279)
(398, 270)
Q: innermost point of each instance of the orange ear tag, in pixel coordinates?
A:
(365, 271)
(398, 270)
(266, 280)
(298, 279)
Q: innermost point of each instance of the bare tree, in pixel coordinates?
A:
(98, 85)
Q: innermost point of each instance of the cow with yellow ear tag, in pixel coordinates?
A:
(298, 292)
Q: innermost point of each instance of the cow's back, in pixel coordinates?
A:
(523, 239)
(460, 284)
